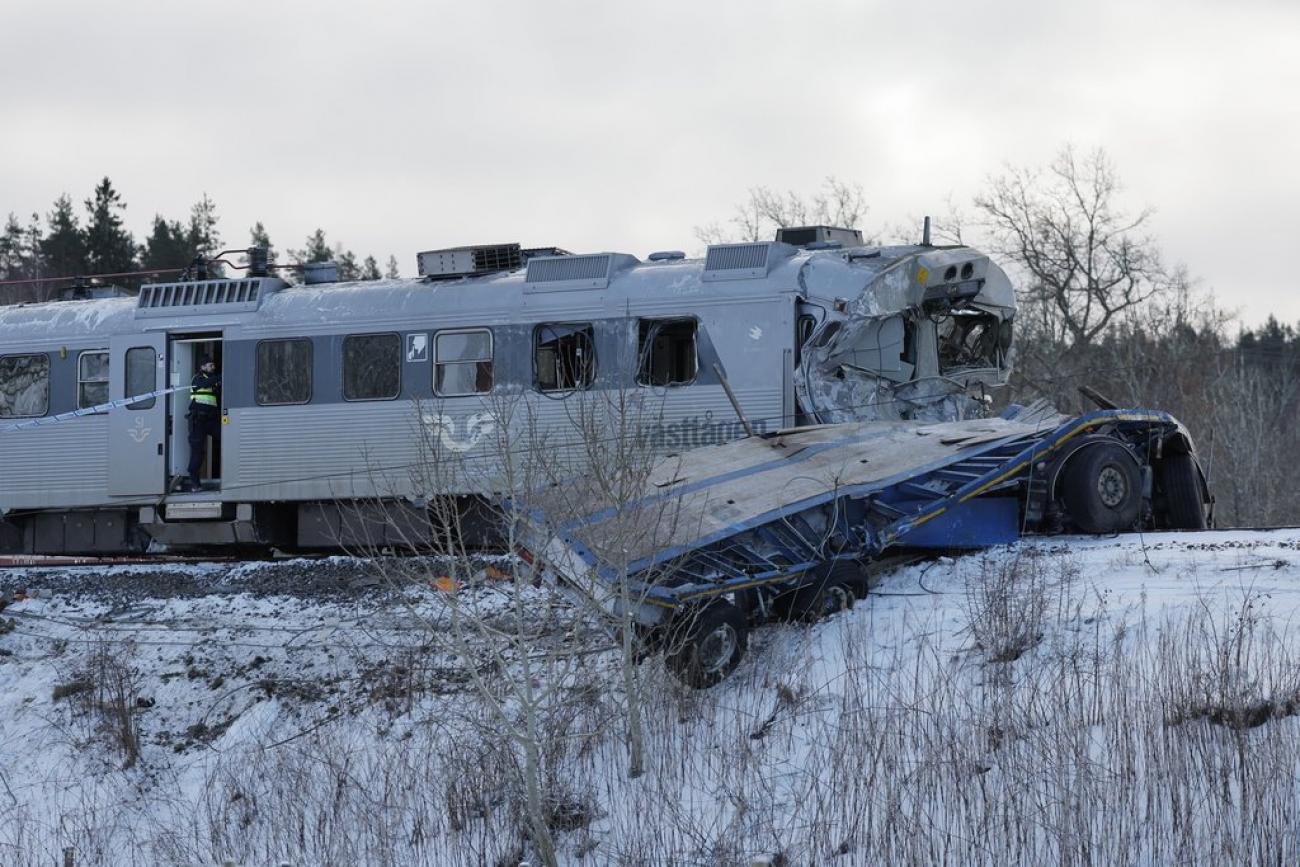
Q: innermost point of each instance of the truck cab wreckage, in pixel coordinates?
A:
(898, 457)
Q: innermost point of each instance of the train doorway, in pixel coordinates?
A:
(188, 354)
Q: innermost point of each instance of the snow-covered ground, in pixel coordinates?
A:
(1124, 700)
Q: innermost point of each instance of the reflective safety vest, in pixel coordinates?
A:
(204, 393)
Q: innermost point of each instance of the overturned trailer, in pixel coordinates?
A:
(789, 525)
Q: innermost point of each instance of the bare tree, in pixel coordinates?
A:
(1085, 259)
(837, 203)
(524, 655)
(620, 467)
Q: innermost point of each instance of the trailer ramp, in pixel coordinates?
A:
(758, 519)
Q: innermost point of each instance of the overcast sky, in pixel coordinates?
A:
(400, 127)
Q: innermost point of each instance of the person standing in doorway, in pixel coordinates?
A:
(204, 417)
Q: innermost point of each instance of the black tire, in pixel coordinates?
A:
(831, 587)
(814, 603)
(1180, 479)
(707, 643)
(1102, 489)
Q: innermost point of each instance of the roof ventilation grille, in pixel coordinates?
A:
(473, 261)
(743, 261)
(562, 273)
(204, 296)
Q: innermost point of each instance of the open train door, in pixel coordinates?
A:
(137, 432)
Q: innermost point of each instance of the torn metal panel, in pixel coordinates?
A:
(911, 333)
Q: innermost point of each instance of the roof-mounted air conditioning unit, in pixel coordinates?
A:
(469, 261)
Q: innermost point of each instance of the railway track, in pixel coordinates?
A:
(30, 561)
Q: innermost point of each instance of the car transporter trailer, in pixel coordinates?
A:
(791, 524)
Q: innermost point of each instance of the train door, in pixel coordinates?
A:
(137, 432)
(188, 353)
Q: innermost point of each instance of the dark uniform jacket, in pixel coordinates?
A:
(205, 393)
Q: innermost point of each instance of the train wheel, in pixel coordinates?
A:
(707, 644)
(1180, 479)
(1103, 490)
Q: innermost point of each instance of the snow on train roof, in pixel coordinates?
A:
(831, 273)
(24, 323)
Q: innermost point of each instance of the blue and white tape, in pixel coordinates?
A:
(90, 410)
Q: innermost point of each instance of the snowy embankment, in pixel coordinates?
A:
(1066, 700)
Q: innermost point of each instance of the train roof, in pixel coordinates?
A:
(545, 287)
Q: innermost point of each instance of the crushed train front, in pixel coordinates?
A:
(909, 332)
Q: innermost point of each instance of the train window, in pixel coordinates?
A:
(141, 375)
(564, 356)
(24, 386)
(283, 373)
(92, 379)
(372, 366)
(462, 362)
(666, 349)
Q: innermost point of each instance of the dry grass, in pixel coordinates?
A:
(1068, 734)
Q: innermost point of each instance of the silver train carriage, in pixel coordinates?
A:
(334, 393)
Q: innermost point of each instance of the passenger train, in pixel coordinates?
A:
(332, 391)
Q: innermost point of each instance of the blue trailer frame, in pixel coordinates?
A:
(988, 492)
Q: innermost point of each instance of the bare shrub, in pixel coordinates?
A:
(1229, 667)
(104, 694)
(1007, 604)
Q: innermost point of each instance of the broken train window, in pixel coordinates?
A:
(969, 339)
(92, 379)
(666, 349)
(462, 362)
(283, 374)
(564, 356)
(24, 385)
(372, 366)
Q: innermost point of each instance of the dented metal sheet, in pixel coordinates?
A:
(923, 335)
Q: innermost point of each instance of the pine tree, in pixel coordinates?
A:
(63, 250)
(20, 250)
(167, 247)
(109, 247)
(317, 249)
(392, 273)
(35, 263)
(258, 237)
(13, 246)
(348, 269)
(370, 269)
(204, 238)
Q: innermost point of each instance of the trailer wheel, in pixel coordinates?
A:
(1103, 490)
(707, 644)
(1184, 497)
(834, 586)
(815, 602)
